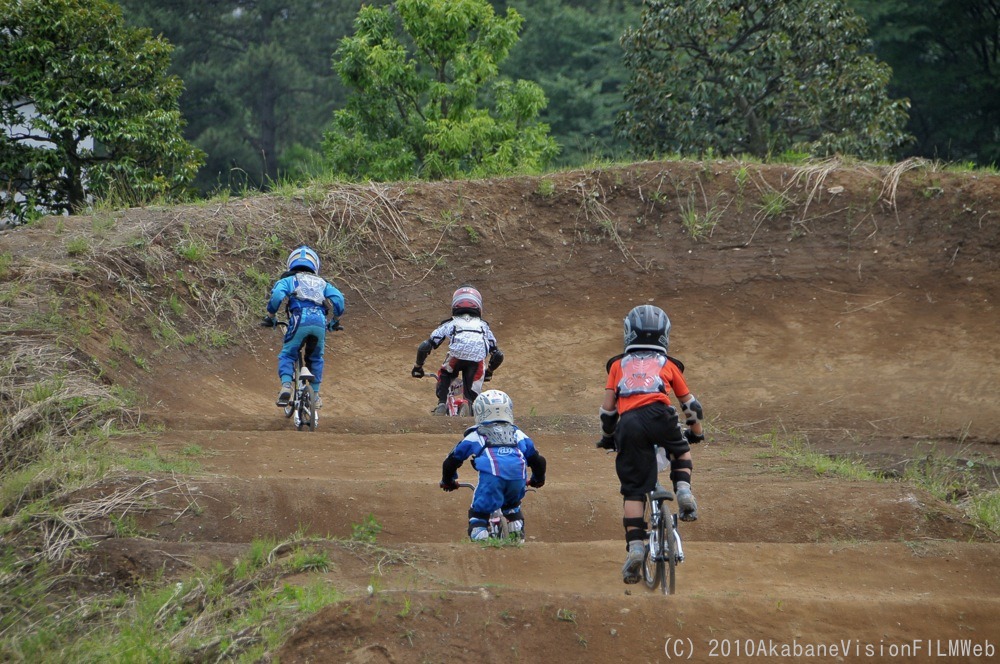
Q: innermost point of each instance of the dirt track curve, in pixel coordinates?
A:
(854, 321)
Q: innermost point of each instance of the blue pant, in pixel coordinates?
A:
(493, 492)
(294, 338)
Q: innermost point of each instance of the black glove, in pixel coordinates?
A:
(269, 321)
(448, 485)
(334, 325)
(417, 371)
(606, 443)
(536, 482)
(692, 437)
(488, 376)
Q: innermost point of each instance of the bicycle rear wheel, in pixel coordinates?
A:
(670, 552)
(307, 413)
(653, 563)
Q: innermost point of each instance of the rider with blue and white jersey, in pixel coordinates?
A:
(497, 448)
(313, 306)
(502, 454)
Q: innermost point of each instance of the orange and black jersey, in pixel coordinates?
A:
(643, 377)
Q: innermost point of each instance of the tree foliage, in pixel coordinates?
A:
(572, 51)
(106, 118)
(426, 98)
(945, 56)
(258, 78)
(757, 77)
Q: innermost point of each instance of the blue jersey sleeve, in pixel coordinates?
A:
(526, 445)
(333, 294)
(469, 446)
(281, 290)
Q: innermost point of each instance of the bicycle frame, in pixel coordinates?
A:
(663, 551)
(300, 406)
(456, 397)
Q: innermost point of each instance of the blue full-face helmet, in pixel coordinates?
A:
(303, 258)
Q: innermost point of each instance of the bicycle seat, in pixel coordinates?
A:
(659, 493)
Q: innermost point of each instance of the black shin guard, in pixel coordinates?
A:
(680, 471)
(478, 519)
(635, 528)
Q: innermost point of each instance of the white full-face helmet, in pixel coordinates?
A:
(493, 406)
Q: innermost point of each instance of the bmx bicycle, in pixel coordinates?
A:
(456, 405)
(663, 549)
(497, 525)
(301, 407)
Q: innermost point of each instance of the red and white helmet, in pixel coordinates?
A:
(466, 300)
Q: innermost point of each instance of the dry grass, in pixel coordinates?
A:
(890, 183)
(47, 396)
(72, 525)
(594, 209)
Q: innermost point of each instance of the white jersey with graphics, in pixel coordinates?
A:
(469, 337)
(310, 288)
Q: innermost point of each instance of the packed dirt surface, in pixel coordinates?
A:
(851, 308)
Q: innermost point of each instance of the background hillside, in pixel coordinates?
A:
(835, 319)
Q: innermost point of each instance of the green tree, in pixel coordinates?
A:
(757, 77)
(86, 108)
(432, 104)
(259, 84)
(945, 56)
(572, 51)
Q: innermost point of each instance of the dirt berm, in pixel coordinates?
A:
(849, 307)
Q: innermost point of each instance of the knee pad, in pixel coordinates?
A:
(514, 514)
(634, 536)
(634, 522)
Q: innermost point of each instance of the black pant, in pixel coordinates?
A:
(638, 432)
(468, 369)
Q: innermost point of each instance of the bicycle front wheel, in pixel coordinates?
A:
(499, 528)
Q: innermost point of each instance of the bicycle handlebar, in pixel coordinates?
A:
(336, 326)
(466, 485)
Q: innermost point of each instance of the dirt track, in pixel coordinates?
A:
(869, 329)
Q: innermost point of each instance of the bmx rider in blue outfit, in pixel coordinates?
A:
(501, 453)
(313, 307)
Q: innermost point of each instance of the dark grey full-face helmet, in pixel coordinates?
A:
(647, 327)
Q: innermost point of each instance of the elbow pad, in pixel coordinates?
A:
(609, 419)
(423, 350)
(496, 359)
(537, 465)
(692, 411)
(449, 469)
